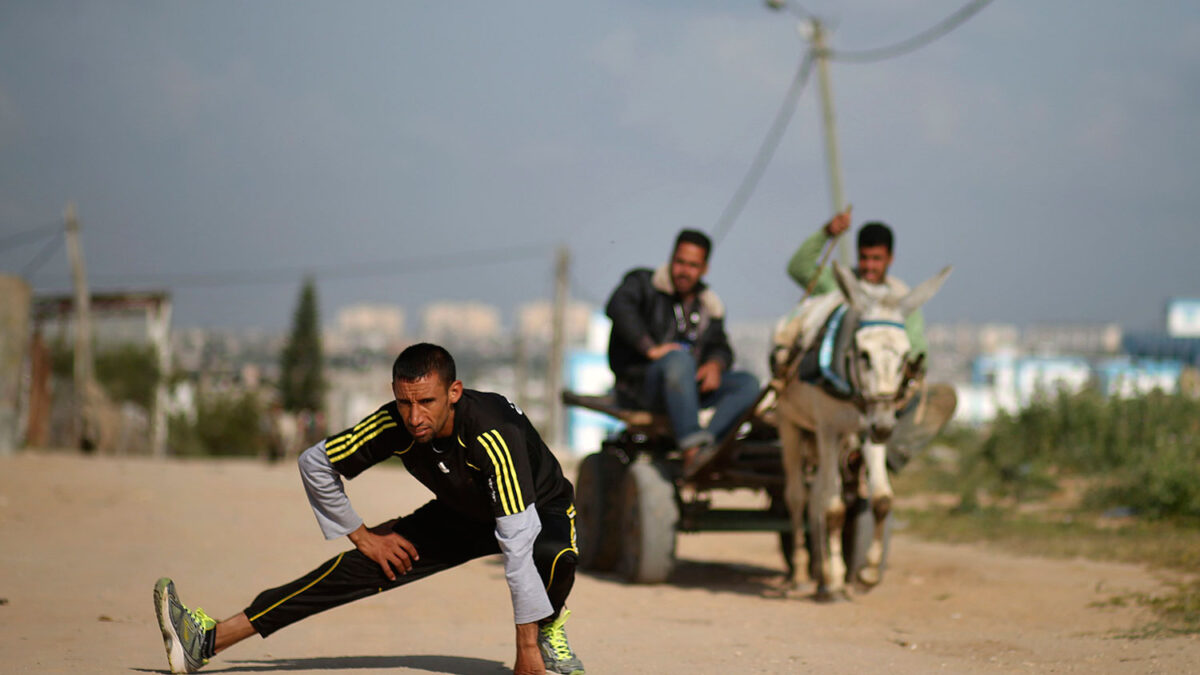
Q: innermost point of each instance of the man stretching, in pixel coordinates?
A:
(497, 489)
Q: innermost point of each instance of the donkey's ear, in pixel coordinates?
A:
(922, 293)
(848, 284)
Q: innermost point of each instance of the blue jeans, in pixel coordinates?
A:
(670, 386)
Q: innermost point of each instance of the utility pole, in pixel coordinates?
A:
(520, 369)
(83, 333)
(832, 156)
(554, 372)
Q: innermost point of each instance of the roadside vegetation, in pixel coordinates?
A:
(226, 424)
(1077, 475)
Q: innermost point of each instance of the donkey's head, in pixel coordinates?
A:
(882, 361)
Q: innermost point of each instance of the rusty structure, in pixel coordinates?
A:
(96, 420)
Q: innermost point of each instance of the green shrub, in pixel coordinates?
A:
(225, 425)
(1164, 482)
(1144, 452)
(127, 372)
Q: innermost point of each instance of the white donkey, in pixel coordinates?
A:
(877, 369)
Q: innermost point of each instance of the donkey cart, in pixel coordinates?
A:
(631, 497)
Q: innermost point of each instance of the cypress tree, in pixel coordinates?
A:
(301, 377)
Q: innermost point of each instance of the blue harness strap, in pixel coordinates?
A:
(825, 354)
(893, 324)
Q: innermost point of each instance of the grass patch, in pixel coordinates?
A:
(1038, 480)
(1057, 534)
(1062, 535)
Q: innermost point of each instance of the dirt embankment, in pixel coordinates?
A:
(83, 539)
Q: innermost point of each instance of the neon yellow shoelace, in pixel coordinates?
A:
(557, 636)
(203, 620)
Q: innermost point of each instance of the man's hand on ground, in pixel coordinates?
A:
(658, 351)
(708, 375)
(529, 657)
(392, 552)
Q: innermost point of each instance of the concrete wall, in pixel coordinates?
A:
(14, 344)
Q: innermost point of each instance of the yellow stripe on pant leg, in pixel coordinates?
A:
(314, 581)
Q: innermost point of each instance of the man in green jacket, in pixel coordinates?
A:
(875, 243)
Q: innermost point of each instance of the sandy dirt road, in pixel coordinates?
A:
(82, 541)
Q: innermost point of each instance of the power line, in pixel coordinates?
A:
(771, 142)
(40, 258)
(30, 235)
(354, 270)
(915, 42)
(766, 151)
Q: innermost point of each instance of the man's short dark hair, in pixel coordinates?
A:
(875, 234)
(420, 360)
(694, 237)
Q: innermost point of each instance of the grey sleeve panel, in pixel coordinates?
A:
(326, 494)
(516, 534)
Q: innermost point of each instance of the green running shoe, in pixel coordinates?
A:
(556, 651)
(183, 630)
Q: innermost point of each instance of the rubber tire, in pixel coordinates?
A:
(598, 511)
(856, 538)
(649, 518)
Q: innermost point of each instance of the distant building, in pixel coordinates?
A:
(535, 321)
(1066, 338)
(1183, 318)
(587, 372)
(461, 323)
(373, 327)
(1005, 381)
(1124, 377)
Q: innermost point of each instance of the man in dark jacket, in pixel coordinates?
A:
(669, 351)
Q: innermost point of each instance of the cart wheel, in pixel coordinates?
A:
(598, 511)
(857, 535)
(648, 523)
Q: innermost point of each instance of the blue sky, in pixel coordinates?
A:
(408, 152)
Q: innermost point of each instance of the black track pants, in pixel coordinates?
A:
(443, 539)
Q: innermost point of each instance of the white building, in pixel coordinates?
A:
(375, 327)
(456, 323)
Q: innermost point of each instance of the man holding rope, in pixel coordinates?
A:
(875, 242)
(933, 405)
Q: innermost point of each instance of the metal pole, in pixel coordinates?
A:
(83, 333)
(554, 369)
(832, 155)
(159, 331)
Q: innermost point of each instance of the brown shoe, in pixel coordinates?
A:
(695, 459)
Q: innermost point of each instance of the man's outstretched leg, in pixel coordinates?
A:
(444, 538)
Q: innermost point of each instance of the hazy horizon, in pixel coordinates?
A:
(403, 153)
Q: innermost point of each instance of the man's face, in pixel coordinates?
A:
(873, 263)
(688, 265)
(427, 406)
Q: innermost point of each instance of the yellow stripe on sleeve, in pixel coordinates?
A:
(502, 488)
(354, 448)
(339, 443)
(512, 468)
